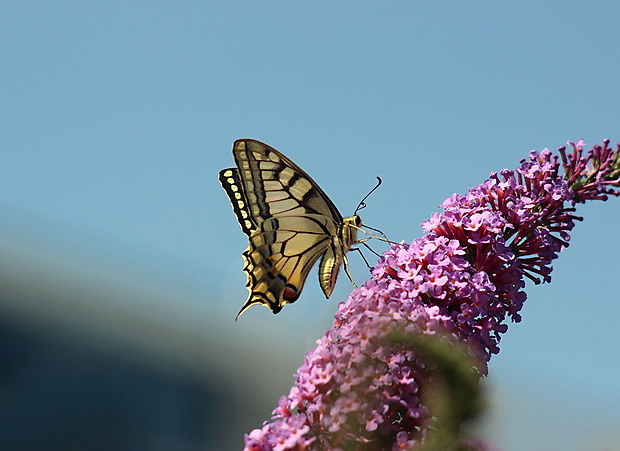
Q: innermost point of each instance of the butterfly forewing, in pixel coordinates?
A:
(231, 182)
(290, 223)
(275, 185)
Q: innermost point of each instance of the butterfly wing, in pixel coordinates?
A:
(290, 223)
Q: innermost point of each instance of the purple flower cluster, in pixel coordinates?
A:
(359, 390)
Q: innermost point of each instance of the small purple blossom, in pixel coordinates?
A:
(463, 279)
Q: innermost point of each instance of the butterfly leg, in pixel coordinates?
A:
(363, 242)
(383, 237)
(362, 254)
(378, 231)
(346, 268)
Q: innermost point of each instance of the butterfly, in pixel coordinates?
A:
(290, 223)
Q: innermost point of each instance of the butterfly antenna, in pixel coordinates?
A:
(362, 204)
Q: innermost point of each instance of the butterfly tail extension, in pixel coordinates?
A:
(265, 286)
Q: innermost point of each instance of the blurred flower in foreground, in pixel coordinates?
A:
(364, 387)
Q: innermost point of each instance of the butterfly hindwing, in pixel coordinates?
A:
(280, 256)
(290, 223)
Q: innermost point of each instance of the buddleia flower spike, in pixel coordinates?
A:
(363, 389)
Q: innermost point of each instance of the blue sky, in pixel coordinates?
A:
(117, 116)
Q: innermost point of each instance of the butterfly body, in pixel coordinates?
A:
(290, 223)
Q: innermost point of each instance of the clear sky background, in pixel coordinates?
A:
(115, 118)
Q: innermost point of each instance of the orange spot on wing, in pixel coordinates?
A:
(290, 293)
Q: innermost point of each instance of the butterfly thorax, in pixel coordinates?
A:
(348, 232)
